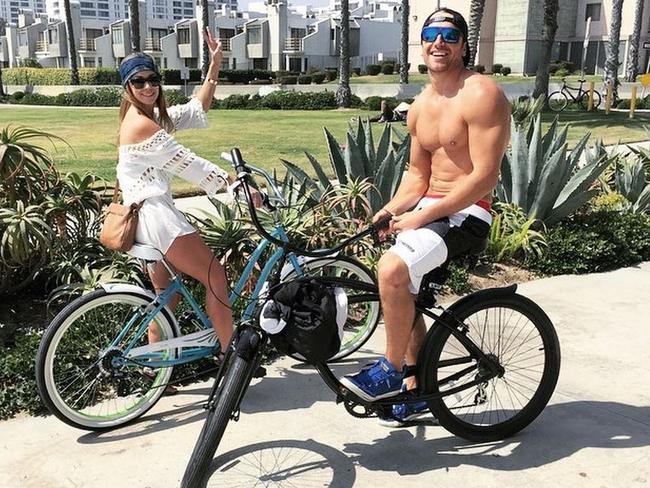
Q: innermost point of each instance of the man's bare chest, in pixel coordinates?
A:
(441, 128)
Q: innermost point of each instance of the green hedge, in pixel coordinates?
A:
(59, 76)
(599, 241)
(373, 69)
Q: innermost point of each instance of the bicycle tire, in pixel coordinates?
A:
(557, 101)
(584, 100)
(235, 380)
(362, 319)
(469, 417)
(70, 351)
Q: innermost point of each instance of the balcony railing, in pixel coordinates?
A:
(86, 44)
(41, 46)
(152, 44)
(293, 44)
(225, 44)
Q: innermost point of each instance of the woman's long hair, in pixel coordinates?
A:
(163, 117)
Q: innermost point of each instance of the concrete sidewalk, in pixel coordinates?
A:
(594, 433)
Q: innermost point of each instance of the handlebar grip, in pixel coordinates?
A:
(382, 223)
(237, 160)
(227, 157)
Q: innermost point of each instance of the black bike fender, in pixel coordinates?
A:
(502, 291)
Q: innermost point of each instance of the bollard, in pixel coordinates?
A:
(608, 98)
(632, 101)
(590, 99)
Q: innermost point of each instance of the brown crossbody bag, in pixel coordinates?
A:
(120, 223)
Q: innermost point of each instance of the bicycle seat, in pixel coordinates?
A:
(434, 280)
(143, 251)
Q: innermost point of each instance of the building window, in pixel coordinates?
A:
(87, 5)
(103, 14)
(117, 37)
(593, 11)
(183, 36)
(254, 35)
(88, 13)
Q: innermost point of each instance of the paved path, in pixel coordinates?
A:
(594, 433)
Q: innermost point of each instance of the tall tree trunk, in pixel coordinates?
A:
(404, 52)
(633, 59)
(343, 93)
(476, 9)
(612, 63)
(205, 19)
(551, 8)
(72, 48)
(134, 21)
(3, 23)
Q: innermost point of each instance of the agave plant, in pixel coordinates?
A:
(539, 176)
(26, 169)
(630, 181)
(524, 109)
(359, 159)
(512, 233)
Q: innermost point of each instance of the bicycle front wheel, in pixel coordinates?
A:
(85, 381)
(236, 378)
(363, 315)
(557, 101)
(513, 330)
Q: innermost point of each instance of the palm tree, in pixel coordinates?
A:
(134, 21)
(72, 48)
(205, 20)
(474, 29)
(343, 93)
(551, 8)
(404, 54)
(633, 62)
(612, 63)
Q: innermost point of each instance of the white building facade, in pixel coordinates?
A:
(9, 8)
(277, 38)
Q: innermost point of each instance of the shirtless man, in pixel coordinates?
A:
(459, 128)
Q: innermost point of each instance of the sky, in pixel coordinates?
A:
(243, 4)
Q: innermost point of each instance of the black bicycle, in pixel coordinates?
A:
(488, 366)
(559, 100)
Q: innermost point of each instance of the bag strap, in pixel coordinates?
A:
(116, 190)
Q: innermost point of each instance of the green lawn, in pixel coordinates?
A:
(264, 136)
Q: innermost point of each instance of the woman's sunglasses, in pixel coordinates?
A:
(450, 35)
(139, 83)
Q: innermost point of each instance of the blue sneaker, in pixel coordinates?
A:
(379, 380)
(404, 413)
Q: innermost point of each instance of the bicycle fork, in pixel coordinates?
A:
(248, 346)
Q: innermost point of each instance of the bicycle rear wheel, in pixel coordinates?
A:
(363, 315)
(584, 100)
(236, 377)
(557, 101)
(86, 383)
(515, 331)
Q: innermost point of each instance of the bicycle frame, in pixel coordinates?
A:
(202, 343)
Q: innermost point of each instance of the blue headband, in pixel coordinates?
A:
(134, 64)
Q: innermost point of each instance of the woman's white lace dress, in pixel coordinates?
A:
(145, 170)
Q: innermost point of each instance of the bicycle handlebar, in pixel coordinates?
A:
(244, 171)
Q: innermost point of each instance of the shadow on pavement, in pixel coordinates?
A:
(562, 430)
(291, 463)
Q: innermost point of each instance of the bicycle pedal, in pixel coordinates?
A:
(260, 372)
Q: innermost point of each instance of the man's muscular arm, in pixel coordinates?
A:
(487, 115)
(415, 182)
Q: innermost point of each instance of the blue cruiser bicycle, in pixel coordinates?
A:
(95, 367)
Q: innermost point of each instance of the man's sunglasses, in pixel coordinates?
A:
(139, 83)
(450, 35)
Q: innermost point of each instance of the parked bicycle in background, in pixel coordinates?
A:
(559, 100)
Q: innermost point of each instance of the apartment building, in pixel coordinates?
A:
(278, 38)
(9, 8)
(512, 30)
